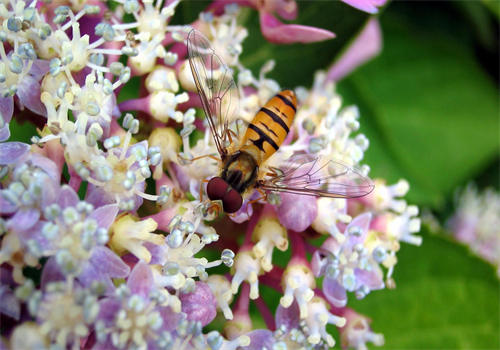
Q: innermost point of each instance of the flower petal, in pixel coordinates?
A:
(105, 215)
(39, 68)
(140, 280)
(4, 133)
(108, 308)
(51, 272)
(199, 305)
(289, 317)
(279, 33)
(260, 339)
(29, 95)
(334, 292)
(67, 197)
(23, 219)
(6, 207)
(369, 6)
(170, 319)
(47, 165)
(9, 304)
(367, 45)
(373, 279)
(10, 152)
(6, 108)
(297, 212)
(105, 260)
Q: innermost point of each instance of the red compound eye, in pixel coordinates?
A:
(232, 201)
(216, 188)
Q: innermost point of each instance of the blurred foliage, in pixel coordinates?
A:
(444, 299)
(435, 110)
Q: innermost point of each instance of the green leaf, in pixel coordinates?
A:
(433, 109)
(22, 132)
(445, 299)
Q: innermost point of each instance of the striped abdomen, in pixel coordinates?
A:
(271, 124)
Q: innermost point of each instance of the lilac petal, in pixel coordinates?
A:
(279, 33)
(49, 193)
(297, 212)
(39, 68)
(140, 280)
(67, 197)
(6, 108)
(29, 95)
(369, 6)
(97, 197)
(105, 260)
(170, 319)
(6, 207)
(289, 317)
(108, 308)
(367, 45)
(9, 304)
(23, 219)
(105, 215)
(47, 165)
(334, 292)
(361, 223)
(10, 152)
(373, 279)
(51, 272)
(89, 274)
(4, 133)
(260, 339)
(199, 305)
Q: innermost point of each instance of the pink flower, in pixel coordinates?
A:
(279, 33)
(274, 30)
(369, 6)
(297, 212)
(367, 45)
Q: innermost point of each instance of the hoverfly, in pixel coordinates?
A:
(243, 160)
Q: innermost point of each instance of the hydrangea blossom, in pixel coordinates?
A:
(107, 203)
(476, 223)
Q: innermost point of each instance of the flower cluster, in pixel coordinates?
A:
(476, 223)
(107, 204)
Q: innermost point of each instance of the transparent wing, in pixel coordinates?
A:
(217, 90)
(312, 175)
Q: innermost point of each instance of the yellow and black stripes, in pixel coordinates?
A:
(271, 124)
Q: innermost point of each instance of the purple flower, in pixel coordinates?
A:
(73, 234)
(297, 212)
(26, 86)
(349, 265)
(199, 305)
(32, 187)
(134, 315)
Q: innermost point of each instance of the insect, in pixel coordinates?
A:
(243, 159)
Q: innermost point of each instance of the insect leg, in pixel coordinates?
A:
(205, 156)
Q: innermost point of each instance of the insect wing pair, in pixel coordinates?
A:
(303, 173)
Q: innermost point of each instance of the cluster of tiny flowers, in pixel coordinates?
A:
(476, 223)
(106, 205)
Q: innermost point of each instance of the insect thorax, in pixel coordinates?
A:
(240, 171)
